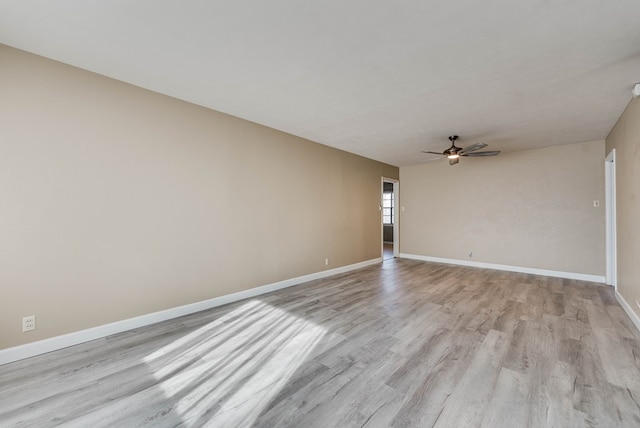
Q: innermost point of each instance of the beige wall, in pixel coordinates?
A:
(625, 138)
(117, 202)
(530, 209)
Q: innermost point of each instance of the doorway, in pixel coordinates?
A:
(610, 218)
(389, 202)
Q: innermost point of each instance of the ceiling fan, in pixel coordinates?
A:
(454, 152)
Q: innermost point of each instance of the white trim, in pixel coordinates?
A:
(534, 271)
(59, 342)
(396, 216)
(610, 218)
(627, 308)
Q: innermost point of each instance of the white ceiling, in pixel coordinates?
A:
(383, 79)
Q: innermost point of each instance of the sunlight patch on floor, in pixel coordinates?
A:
(227, 372)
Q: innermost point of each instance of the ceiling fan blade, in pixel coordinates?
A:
(454, 161)
(474, 147)
(478, 154)
(433, 153)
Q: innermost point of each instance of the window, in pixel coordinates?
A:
(387, 208)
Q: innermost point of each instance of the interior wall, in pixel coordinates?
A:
(117, 202)
(625, 138)
(530, 209)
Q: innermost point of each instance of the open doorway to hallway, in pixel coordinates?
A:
(389, 202)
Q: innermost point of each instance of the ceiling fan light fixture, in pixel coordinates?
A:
(453, 156)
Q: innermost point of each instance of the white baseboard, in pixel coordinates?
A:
(554, 273)
(59, 342)
(627, 308)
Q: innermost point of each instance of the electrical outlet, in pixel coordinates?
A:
(470, 254)
(326, 262)
(596, 203)
(29, 323)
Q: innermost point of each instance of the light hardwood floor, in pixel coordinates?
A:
(387, 250)
(401, 344)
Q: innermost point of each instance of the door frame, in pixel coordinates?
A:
(611, 277)
(396, 217)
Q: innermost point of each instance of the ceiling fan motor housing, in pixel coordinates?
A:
(453, 150)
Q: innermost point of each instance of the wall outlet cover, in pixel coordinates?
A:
(29, 323)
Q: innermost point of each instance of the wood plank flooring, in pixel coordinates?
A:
(387, 250)
(401, 344)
